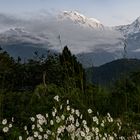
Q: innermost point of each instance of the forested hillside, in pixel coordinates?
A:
(109, 73)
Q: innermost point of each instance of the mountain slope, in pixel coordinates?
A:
(108, 73)
(131, 32)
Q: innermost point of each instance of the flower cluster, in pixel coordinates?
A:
(6, 126)
(65, 122)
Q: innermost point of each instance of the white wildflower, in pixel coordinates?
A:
(82, 134)
(60, 129)
(84, 122)
(105, 134)
(48, 132)
(51, 122)
(45, 136)
(71, 118)
(25, 128)
(111, 138)
(41, 121)
(108, 114)
(81, 116)
(87, 129)
(77, 112)
(38, 125)
(5, 129)
(67, 102)
(20, 137)
(103, 138)
(96, 130)
(72, 111)
(58, 119)
(55, 110)
(33, 127)
(47, 115)
(10, 125)
(138, 136)
(4, 122)
(53, 114)
(41, 129)
(39, 116)
(68, 108)
(77, 123)
(88, 137)
(62, 117)
(90, 111)
(70, 128)
(56, 98)
(32, 119)
(61, 107)
(12, 119)
(97, 137)
(36, 134)
(39, 137)
(95, 119)
(30, 138)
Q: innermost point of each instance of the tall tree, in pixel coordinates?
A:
(73, 72)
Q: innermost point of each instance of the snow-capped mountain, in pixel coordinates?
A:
(87, 38)
(77, 18)
(130, 29)
(131, 33)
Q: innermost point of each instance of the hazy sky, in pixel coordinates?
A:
(109, 12)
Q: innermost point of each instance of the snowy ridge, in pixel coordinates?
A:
(81, 19)
(130, 28)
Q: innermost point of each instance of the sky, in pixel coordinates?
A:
(108, 12)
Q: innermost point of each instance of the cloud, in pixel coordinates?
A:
(9, 19)
(30, 21)
(50, 27)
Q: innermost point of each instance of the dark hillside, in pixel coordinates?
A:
(110, 72)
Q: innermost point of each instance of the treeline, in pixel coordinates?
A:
(28, 88)
(61, 70)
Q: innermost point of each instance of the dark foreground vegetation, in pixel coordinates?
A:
(28, 88)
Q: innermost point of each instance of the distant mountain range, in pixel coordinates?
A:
(109, 73)
(91, 41)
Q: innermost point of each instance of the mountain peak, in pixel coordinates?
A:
(129, 29)
(138, 19)
(77, 14)
(74, 14)
(80, 19)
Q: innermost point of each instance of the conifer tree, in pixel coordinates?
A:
(73, 72)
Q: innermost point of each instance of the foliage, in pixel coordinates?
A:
(73, 72)
(108, 73)
(27, 89)
(66, 122)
